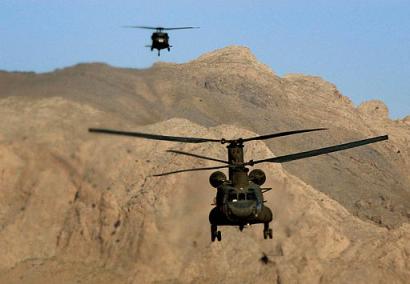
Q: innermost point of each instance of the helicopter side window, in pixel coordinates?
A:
(241, 196)
(232, 197)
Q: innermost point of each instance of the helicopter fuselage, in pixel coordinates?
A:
(239, 206)
(160, 40)
(239, 199)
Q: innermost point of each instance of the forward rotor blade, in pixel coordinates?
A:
(197, 156)
(180, 28)
(190, 170)
(142, 27)
(280, 134)
(153, 136)
(321, 151)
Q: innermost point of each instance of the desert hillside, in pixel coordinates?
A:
(81, 208)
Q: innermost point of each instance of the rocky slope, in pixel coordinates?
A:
(80, 208)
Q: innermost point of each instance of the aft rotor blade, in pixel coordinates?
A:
(280, 134)
(197, 156)
(153, 136)
(180, 28)
(321, 151)
(190, 170)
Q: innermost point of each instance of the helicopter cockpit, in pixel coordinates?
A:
(234, 196)
(242, 204)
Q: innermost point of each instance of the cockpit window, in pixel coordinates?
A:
(251, 196)
(232, 197)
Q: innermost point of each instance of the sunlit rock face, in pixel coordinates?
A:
(78, 207)
(375, 109)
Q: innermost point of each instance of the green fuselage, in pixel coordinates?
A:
(239, 201)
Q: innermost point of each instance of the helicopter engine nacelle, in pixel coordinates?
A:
(217, 178)
(257, 176)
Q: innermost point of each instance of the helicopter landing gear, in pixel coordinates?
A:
(241, 227)
(215, 234)
(169, 49)
(159, 52)
(267, 232)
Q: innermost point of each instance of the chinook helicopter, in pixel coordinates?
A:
(160, 39)
(239, 198)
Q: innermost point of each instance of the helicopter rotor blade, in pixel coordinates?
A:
(195, 139)
(280, 134)
(197, 156)
(159, 28)
(179, 28)
(143, 27)
(153, 136)
(321, 151)
(190, 170)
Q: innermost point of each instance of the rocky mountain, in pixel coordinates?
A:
(81, 208)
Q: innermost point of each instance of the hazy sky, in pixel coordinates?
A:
(363, 46)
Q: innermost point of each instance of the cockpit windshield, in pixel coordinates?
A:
(233, 196)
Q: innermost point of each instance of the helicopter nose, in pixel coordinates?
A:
(242, 209)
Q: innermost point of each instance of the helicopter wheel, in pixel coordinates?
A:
(241, 228)
(169, 49)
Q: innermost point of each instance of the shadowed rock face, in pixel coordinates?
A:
(80, 207)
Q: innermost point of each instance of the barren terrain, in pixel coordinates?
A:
(77, 207)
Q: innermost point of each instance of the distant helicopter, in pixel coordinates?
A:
(160, 39)
(239, 198)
